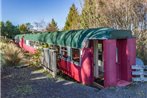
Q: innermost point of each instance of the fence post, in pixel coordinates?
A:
(46, 55)
(54, 66)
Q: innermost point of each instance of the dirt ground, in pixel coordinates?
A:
(32, 82)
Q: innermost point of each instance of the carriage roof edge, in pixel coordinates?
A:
(75, 38)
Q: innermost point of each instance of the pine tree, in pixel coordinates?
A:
(23, 28)
(73, 19)
(2, 27)
(89, 14)
(92, 14)
(8, 29)
(52, 27)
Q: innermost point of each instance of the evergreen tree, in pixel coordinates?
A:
(73, 19)
(29, 26)
(89, 14)
(2, 28)
(52, 27)
(8, 29)
(23, 28)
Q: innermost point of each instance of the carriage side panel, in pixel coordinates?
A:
(87, 66)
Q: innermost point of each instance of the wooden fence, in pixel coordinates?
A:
(139, 73)
(48, 60)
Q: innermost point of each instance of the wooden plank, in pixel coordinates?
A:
(137, 79)
(141, 71)
(137, 67)
(137, 73)
(98, 85)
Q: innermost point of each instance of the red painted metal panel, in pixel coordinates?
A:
(87, 66)
(122, 66)
(75, 71)
(122, 59)
(126, 58)
(20, 44)
(26, 47)
(131, 52)
(82, 73)
(63, 64)
(110, 73)
(29, 48)
(70, 69)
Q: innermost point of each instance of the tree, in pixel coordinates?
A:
(29, 26)
(52, 27)
(2, 26)
(125, 14)
(9, 29)
(93, 14)
(40, 26)
(73, 19)
(122, 14)
(23, 28)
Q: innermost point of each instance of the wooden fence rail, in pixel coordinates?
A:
(48, 60)
(139, 73)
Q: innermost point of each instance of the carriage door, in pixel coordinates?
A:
(98, 59)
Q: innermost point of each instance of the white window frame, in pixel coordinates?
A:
(75, 62)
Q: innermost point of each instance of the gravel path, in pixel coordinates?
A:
(32, 82)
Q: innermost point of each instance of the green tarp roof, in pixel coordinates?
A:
(74, 38)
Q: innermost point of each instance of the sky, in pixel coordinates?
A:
(23, 11)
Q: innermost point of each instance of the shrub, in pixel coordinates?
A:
(35, 58)
(12, 55)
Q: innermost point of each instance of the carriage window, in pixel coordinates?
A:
(100, 51)
(64, 52)
(27, 42)
(76, 55)
(32, 43)
(35, 44)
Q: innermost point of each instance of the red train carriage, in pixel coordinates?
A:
(102, 54)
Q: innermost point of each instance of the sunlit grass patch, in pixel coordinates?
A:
(40, 70)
